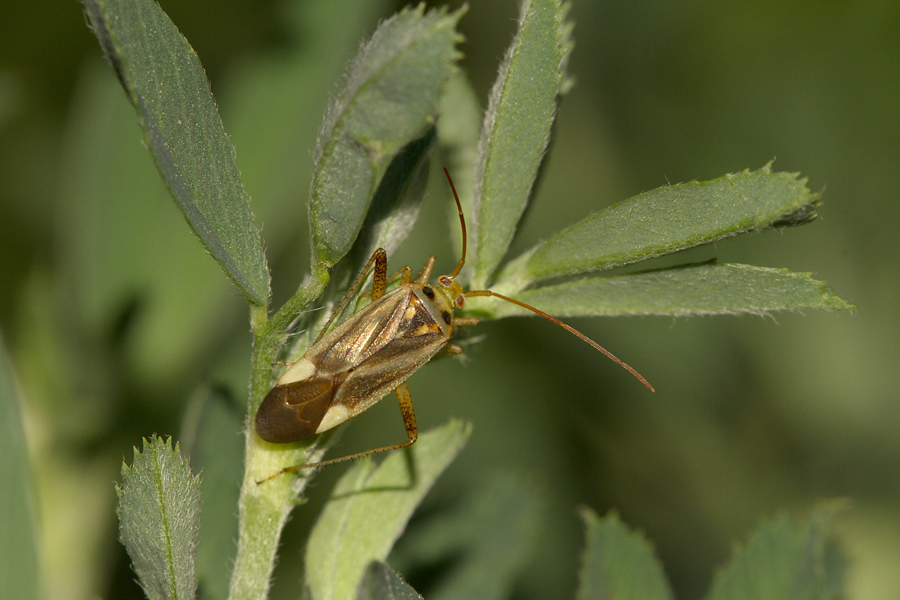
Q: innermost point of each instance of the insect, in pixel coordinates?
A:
(374, 351)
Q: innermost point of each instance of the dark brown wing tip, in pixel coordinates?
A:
(293, 412)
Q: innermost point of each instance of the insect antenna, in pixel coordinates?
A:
(568, 328)
(537, 311)
(462, 224)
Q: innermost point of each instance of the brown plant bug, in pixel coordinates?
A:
(374, 351)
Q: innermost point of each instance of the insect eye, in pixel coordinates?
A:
(428, 292)
(447, 317)
(445, 281)
(460, 300)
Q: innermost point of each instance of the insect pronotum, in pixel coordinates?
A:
(374, 351)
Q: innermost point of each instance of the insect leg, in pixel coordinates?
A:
(379, 257)
(412, 434)
(409, 416)
(425, 273)
(409, 421)
(404, 274)
(463, 321)
(379, 279)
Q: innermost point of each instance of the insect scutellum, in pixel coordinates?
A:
(372, 352)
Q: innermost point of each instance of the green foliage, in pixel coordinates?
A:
(18, 551)
(369, 175)
(396, 205)
(386, 100)
(167, 86)
(383, 583)
(159, 520)
(488, 539)
(369, 509)
(618, 563)
(518, 122)
(779, 561)
(699, 289)
(211, 437)
(783, 561)
(667, 220)
(660, 222)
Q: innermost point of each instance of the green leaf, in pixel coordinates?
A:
(167, 86)
(211, 436)
(18, 550)
(264, 509)
(459, 127)
(782, 561)
(369, 509)
(117, 250)
(486, 541)
(293, 80)
(396, 205)
(618, 563)
(665, 220)
(387, 99)
(516, 134)
(383, 583)
(159, 521)
(698, 289)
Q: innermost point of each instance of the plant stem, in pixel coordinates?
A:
(264, 509)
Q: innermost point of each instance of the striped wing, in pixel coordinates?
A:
(376, 349)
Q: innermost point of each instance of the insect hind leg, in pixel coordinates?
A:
(404, 274)
(379, 260)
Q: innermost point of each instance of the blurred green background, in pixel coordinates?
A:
(114, 316)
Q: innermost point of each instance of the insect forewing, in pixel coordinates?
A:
(352, 367)
(378, 348)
